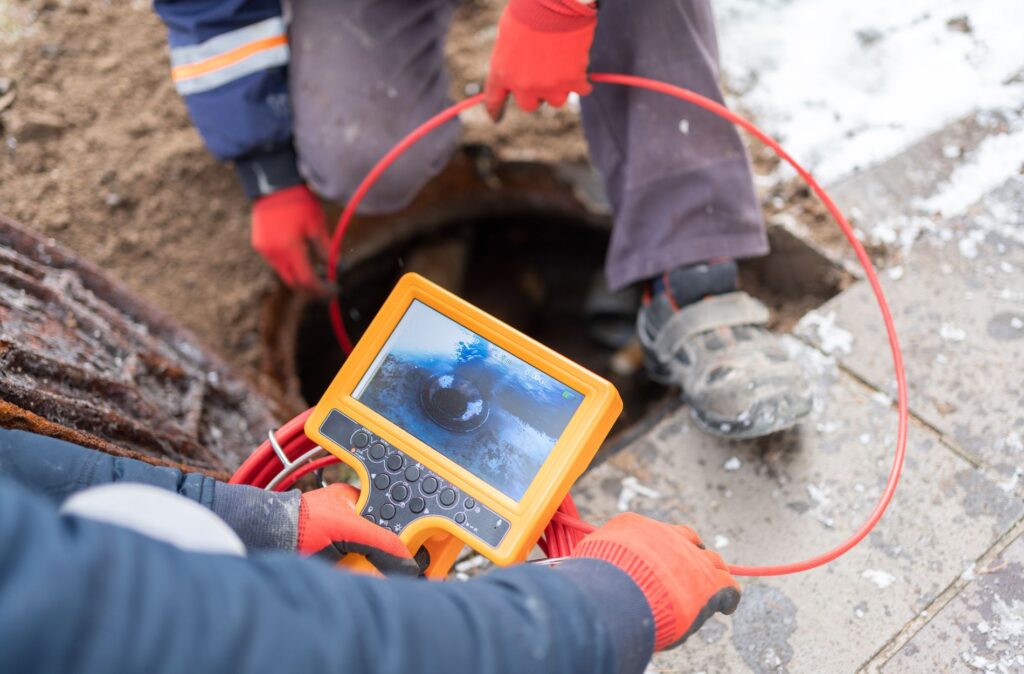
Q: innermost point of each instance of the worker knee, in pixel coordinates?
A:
(336, 164)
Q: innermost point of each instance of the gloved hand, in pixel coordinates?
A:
(284, 226)
(330, 527)
(541, 53)
(684, 583)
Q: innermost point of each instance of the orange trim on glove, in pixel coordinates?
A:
(683, 582)
(330, 527)
(285, 224)
(541, 54)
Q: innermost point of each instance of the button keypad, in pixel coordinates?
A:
(398, 497)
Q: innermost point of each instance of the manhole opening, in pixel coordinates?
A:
(541, 273)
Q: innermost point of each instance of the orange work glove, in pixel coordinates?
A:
(684, 583)
(284, 226)
(330, 527)
(541, 53)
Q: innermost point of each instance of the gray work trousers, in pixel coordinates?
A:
(364, 73)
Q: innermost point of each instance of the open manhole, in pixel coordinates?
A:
(534, 260)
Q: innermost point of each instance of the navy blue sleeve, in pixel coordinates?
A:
(57, 469)
(81, 596)
(229, 61)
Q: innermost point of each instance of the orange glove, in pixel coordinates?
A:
(329, 527)
(541, 53)
(684, 583)
(284, 224)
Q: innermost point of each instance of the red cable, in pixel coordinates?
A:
(566, 527)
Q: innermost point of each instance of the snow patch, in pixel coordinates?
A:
(883, 74)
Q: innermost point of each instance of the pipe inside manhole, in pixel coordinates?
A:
(541, 272)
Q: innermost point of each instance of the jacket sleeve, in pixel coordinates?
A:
(57, 469)
(81, 596)
(229, 60)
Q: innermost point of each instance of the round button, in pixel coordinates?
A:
(371, 518)
(399, 493)
(387, 511)
(447, 496)
(460, 517)
(381, 481)
(417, 504)
(394, 462)
(377, 451)
(470, 504)
(360, 439)
(412, 473)
(429, 485)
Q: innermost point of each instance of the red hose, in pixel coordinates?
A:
(566, 528)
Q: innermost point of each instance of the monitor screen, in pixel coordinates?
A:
(470, 400)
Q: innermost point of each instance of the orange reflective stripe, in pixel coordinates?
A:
(214, 63)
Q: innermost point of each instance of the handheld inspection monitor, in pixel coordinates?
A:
(462, 430)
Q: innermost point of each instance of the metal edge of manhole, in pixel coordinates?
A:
(84, 360)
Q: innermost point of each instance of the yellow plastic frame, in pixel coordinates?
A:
(570, 456)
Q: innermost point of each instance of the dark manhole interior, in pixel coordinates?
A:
(541, 273)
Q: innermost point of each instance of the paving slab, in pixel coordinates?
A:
(959, 311)
(884, 200)
(980, 630)
(794, 495)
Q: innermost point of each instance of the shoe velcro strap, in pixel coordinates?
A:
(716, 311)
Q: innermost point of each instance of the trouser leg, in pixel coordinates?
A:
(364, 73)
(678, 177)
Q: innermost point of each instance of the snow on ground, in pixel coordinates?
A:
(848, 83)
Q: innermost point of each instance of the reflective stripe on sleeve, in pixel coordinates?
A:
(227, 57)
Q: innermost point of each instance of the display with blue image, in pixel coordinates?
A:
(472, 401)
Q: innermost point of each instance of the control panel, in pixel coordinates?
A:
(404, 490)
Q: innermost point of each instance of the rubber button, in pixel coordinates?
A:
(448, 496)
(387, 511)
(377, 451)
(399, 493)
(417, 504)
(460, 518)
(429, 485)
(470, 504)
(412, 473)
(371, 518)
(394, 462)
(381, 481)
(360, 439)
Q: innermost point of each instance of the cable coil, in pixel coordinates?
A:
(287, 456)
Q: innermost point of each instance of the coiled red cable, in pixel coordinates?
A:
(566, 528)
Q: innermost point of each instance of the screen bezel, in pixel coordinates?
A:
(562, 459)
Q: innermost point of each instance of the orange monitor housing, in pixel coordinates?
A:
(462, 430)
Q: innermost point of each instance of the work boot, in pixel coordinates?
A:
(702, 334)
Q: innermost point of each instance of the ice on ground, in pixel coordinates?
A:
(882, 579)
(631, 488)
(822, 329)
(848, 83)
(733, 463)
(952, 333)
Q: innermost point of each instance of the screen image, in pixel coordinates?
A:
(470, 400)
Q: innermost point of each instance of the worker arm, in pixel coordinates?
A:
(57, 469)
(229, 61)
(81, 596)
